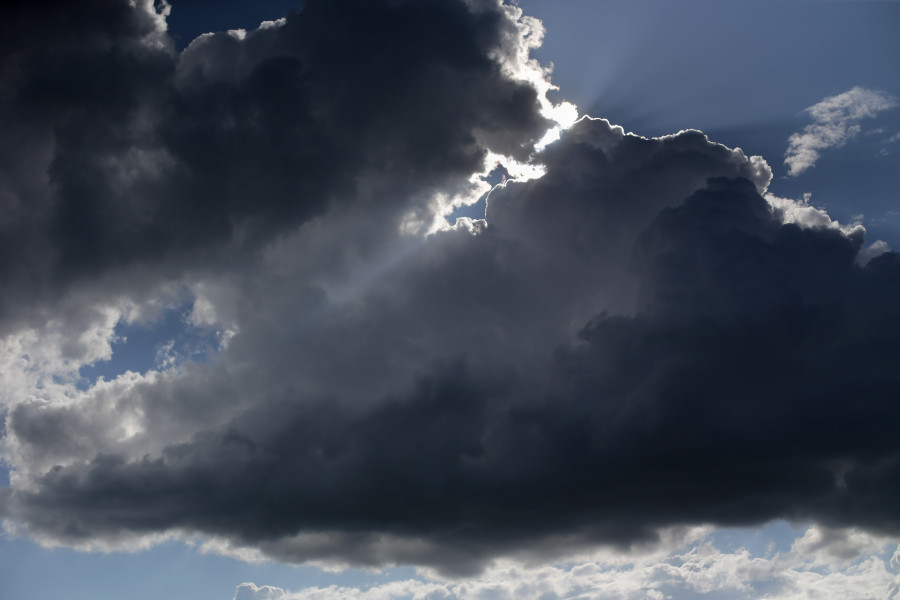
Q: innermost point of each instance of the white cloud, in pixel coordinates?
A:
(249, 591)
(803, 214)
(835, 121)
(822, 563)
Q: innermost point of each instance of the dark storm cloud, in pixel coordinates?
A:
(73, 77)
(636, 339)
(121, 154)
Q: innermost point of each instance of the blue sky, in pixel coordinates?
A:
(225, 318)
(742, 72)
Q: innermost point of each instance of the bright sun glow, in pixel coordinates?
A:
(564, 114)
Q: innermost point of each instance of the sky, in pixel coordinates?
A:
(457, 299)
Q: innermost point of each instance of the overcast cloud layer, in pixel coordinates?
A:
(638, 339)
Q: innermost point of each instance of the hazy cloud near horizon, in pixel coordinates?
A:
(639, 338)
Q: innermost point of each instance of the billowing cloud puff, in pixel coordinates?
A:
(160, 162)
(821, 563)
(636, 340)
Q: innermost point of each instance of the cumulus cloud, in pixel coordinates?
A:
(155, 164)
(843, 564)
(250, 591)
(636, 337)
(835, 121)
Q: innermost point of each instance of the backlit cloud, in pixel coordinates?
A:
(636, 339)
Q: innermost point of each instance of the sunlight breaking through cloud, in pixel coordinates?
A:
(237, 318)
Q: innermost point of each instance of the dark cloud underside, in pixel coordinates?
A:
(636, 339)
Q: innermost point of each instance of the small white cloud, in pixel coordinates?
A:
(166, 356)
(250, 591)
(273, 24)
(835, 120)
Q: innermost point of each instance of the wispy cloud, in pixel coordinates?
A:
(835, 120)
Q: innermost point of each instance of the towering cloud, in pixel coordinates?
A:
(636, 339)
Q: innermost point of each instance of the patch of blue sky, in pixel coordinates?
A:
(478, 209)
(778, 537)
(188, 20)
(170, 570)
(165, 342)
(774, 537)
(472, 211)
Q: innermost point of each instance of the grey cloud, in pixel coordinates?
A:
(127, 156)
(632, 341)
